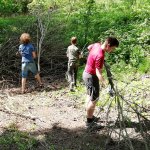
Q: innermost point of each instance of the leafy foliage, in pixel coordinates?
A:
(10, 7)
(91, 21)
(126, 20)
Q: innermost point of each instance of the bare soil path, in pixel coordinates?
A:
(54, 116)
(51, 114)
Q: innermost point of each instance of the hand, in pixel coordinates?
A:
(17, 54)
(104, 83)
(81, 55)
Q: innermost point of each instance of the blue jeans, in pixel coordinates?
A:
(28, 66)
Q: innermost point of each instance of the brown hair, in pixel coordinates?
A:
(112, 41)
(25, 38)
(74, 40)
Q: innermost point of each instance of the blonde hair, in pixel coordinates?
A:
(74, 40)
(25, 38)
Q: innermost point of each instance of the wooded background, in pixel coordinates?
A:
(51, 24)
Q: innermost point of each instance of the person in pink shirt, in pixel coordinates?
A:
(93, 74)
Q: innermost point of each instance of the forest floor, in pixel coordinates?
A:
(50, 118)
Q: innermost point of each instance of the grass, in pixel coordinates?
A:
(12, 138)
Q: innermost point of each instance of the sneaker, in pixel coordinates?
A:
(93, 126)
(95, 119)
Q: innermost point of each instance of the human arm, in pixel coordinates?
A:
(84, 54)
(90, 47)
(100, 77)
(33, 51)
(67, 52)
(19, 52)
(79, 54)
(99, 62)
(34, 55)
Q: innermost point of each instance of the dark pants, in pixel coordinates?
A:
(92, 85)
(72, 73)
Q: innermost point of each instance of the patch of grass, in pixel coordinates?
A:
(144, 66)
(12, 138)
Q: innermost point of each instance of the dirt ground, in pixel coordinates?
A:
(55, 117)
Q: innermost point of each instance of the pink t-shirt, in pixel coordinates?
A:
(95, 58)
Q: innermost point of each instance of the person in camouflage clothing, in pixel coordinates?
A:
(73, 54)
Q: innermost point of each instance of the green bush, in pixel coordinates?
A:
(144, 65)
(126, 20)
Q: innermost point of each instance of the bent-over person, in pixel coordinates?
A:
(92, 75)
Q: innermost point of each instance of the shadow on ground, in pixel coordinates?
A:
(58, 138)
(144, 125)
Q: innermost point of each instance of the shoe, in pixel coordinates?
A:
(93, 126)
(95, 119)
(71, 90)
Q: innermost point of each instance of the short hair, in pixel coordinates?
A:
(25, 38)
(74, 40)
(112, 41)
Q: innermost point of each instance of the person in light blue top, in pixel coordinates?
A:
(28, 53)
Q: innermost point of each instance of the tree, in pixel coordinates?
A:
(24, 5)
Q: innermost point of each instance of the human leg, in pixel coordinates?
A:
(90, 108)
(33, 69)
(75, 75)
(91, 120)
(38, 78)
(92, 85)
(24, 69)
(23, 82)
(69, 71)
(71, 75)
(87, 101)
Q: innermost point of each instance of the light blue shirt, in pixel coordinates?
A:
(26, 52)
